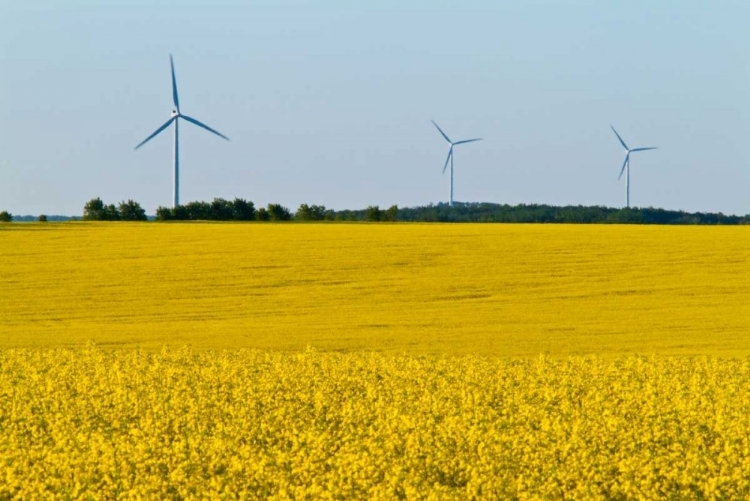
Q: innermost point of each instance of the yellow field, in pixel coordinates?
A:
(509, 290)
(424, 380)
(114, 424)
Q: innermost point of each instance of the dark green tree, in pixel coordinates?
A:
(221, 210)
(242, 210)
(310, 213)
(262, 214)
(6, 217)
(278, 212)
(198, 211)
(373, 213)
(111, 213)
(131, 211)
(94, 210)
(42, 218)
(164, 214)
(391, 214)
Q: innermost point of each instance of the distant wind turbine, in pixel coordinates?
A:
(175, 116)
(626, 165)
(450, 155)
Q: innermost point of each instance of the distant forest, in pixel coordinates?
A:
(242, 210)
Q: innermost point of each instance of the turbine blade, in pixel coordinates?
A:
(467, 141)
(450, 154)
(621, 141)
(149, 138)
(174, 86)
(627, 157)
(209, 129)
(441, 131)
(644, 149)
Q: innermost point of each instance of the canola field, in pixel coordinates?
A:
(90, 423)
(506, 290)
(355, 361)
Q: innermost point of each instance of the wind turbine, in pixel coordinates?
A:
(176, 115)
(450, 155)
(626, 164)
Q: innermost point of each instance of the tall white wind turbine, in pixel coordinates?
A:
(626, 165)
(450, 155)
(176, 115)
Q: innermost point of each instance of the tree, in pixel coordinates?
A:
(164, 214)
(110, 213)
(197, 211)
(262, 214)
(42, 218)
(310, 213)
(131, 211)
(243, 210)
(93, 210)
(391, 214)
(278, 212)
(180, 213)
(6, 217)
(372, 213)
(221, 210)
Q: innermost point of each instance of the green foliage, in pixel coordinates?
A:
(312, 213)
(488, 212)
(262, 214)
(373, 213)
(278, 212)
(164, 214)
(218, 210)
(6, 217)
(196, 211)
(111, 213)
(221, 210)
(391, 214)
(42, 218)
(131, 211)
(94, 210)
(242, 210)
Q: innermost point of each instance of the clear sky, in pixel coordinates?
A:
(330, 101)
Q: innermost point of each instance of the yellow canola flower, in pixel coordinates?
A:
(245, 424)
(489, 289)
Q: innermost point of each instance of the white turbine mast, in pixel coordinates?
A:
(450, 156)
(626, 165)
(176, 115)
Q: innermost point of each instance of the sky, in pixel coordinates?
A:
(329, 102)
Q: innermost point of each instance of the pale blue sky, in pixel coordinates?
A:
(329, 102)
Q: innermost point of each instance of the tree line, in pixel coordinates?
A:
(240, 209)
(96, 210)
(541, 213)
(244, 210)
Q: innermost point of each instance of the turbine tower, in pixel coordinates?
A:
(626, 164)
(450, 156)
(176, 115)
